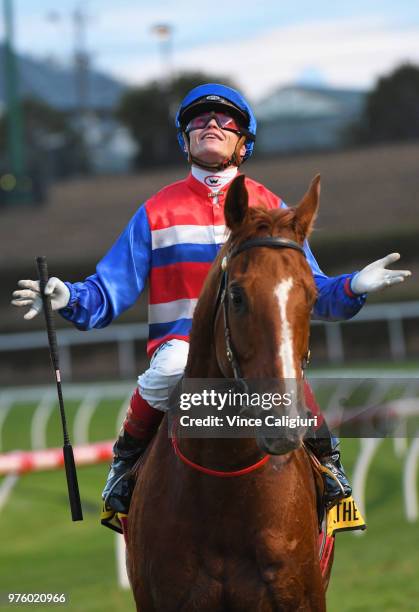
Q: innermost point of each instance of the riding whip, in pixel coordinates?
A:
(70, 466)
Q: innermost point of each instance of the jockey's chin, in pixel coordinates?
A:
(213, 148)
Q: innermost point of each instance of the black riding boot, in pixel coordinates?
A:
(120, 483)
(325, 447)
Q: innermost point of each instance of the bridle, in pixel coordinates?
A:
(222, 301)
(273, 242)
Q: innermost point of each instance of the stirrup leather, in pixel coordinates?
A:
(322, 468)
(325, 470)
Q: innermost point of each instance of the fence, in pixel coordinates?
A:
(125, 336)
(89, 397)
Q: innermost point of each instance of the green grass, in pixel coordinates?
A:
(377, 570)
(43, 551)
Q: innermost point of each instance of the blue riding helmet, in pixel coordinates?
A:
(210, 97)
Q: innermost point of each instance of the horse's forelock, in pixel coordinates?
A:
(261, 219)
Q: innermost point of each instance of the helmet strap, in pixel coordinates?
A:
(188, 150)
(235, 159)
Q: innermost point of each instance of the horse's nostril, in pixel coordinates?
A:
(278, 446)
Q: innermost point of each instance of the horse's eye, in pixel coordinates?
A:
(237, 297)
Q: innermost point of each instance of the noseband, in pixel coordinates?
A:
(271, 242)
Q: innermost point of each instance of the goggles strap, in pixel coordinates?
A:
(186, 141)
(237, 158)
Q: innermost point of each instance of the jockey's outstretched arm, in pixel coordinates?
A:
(342, 297)
(118, 282)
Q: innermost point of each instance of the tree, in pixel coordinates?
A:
(392, 108)
(52, 145)
(149, 113)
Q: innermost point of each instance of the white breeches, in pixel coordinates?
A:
(166, 369)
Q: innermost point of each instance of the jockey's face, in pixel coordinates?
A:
(212, 144)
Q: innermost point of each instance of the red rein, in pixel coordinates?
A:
(218, 473)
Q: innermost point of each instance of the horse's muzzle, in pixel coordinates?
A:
(280, 445)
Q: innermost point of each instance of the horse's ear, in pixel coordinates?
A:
(237, 203)
(306, 211)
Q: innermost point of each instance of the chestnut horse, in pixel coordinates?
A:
(198, 542)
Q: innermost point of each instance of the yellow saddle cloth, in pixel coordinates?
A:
(345, 516)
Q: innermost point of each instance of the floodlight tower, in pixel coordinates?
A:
(16, 187)
(164, 34)
(81, 61)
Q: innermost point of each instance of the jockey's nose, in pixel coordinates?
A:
(212, 123)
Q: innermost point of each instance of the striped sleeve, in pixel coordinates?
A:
(119, 279)
(334, 301)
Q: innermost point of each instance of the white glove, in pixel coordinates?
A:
(376, 276)
(30, 295)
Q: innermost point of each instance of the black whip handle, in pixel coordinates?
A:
(72, 483)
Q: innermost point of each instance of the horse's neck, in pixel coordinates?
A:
(202, 361)
(221, 454)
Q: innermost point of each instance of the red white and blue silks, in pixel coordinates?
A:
(172, 241)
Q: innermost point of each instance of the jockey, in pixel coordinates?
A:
(171, 242)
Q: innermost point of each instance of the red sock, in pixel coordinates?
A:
(142, 420)
(312, 405)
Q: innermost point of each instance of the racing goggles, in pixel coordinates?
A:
(224, 122)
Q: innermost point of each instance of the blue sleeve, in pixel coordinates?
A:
(119, 280)
(333, 302)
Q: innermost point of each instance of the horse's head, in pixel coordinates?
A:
(268, 296)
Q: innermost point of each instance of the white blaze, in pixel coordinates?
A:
(286, 351)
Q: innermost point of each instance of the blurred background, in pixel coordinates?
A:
(88, 94)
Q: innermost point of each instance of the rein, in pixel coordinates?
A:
(222, 299)
(210, 472)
